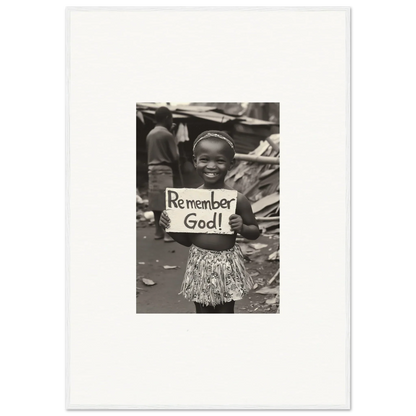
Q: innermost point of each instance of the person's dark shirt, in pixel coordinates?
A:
(161, 147)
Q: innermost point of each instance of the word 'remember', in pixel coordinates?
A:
(211, 204)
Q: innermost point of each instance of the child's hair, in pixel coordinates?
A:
(215, 134)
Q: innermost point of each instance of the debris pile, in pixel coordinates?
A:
(144, 216)
(264, 297)
(259, 182)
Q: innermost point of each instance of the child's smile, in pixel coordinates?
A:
(213, 159)
(211, 174)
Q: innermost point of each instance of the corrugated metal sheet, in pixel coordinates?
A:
(182, 107)
(205, 113)
(247, 132)
(232, 109)
(249, 121)
(199, 108)
(209, 115)
(153, 106)
(174, 115)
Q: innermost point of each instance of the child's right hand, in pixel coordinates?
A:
(164, 221)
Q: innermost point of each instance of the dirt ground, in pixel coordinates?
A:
(163, 297)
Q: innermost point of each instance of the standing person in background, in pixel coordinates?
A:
(162, 156)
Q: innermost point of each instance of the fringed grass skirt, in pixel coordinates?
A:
(215, 277)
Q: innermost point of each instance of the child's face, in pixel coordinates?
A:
(213, 159)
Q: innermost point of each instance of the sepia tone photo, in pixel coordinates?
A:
(207, 207)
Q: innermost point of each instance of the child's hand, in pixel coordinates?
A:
(236, 223)
(164, 221)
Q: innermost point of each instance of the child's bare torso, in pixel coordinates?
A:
(217, 242)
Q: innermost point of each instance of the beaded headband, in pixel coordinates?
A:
(218, 136)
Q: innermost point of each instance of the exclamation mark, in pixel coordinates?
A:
(219, 220)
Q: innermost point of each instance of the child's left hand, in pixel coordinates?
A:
(236, 223)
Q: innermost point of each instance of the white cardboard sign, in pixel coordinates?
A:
(200, 210)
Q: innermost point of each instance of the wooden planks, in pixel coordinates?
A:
(258, 178)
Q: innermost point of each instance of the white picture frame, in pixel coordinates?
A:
(117, 359)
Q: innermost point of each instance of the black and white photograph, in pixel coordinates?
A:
(208, 207)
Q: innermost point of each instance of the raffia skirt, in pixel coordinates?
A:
(160, 178)
(215, 277)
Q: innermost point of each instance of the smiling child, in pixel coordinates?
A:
(215, 275)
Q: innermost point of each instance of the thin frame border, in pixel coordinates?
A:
(353, 244)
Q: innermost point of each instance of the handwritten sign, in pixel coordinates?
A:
(200, 210)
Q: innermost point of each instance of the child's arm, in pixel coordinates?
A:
(244, 221)
(181, 238)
